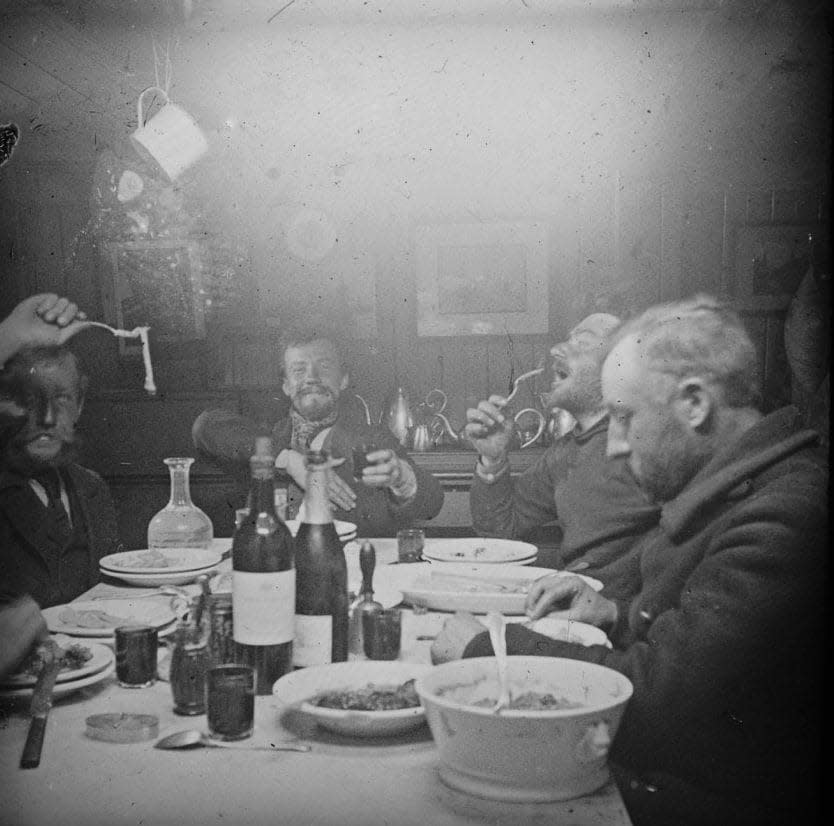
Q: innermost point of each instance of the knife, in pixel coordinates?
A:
(41, 703)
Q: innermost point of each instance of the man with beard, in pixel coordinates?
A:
(599, 507)
(56, 518)
(392, 492)
(724, 641)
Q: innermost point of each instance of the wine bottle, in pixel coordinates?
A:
(263, 579)
(321, 600)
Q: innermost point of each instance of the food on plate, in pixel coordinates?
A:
(476, 552)
(73, 657)
(484, 693)
(486, 585)
(93, 618)
(146, 559)
(372, 697)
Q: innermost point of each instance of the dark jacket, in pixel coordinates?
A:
(25, 566)
(229, 439)
(598, 505)
(724, 639)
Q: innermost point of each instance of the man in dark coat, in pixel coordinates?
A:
(722, 634)
(392, 491)
(56, 517)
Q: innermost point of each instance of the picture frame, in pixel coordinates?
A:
(157, 284)
(770, 262)
(482, 279)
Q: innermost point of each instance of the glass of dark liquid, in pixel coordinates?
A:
(136, 647)
(381, 633)
(230, 701)
(360, 458)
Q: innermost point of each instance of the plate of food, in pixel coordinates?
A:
(77, 660)
(369, 698)
(160, 561)
(480, 551)
(479, 588)
(100, 617)
(139, 577)
(62, 689)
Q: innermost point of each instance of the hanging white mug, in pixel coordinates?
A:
(171, 138)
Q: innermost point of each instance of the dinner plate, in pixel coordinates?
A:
(139, 577)
(345, 530)
(102, 656)
(478, 588)
(480, 551)
(298, 687)
(147, 611)
(160, 561)
(62, 689)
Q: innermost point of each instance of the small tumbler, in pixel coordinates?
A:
(360, 459)
(410, 542)
(381, 631)
(136, 647)
(230, 701)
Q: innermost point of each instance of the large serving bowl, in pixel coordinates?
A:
(524, 755)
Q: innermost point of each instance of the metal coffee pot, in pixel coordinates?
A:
(397, 416)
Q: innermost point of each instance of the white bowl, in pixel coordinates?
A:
(298, 687)
(524, 755)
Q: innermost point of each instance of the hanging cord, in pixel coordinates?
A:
(165, 85)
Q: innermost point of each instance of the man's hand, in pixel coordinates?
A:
(457, 632)
(42, 319)
(569, 597)
(384, 469)
(341, 494)
(489, 430)
(21, 627)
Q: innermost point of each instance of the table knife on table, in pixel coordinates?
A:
(41, 703)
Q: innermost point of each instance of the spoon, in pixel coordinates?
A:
(192, 737)
(495, 624)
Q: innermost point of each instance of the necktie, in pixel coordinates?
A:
(56, 512)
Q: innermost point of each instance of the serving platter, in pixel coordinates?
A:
(102, 656)
(297, 688)
(77, 619)
(478, 588)
(480, 551)
(159, 561)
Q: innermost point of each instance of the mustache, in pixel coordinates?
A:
(315, 388)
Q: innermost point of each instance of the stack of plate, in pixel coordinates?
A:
(479, 551)
(346, 530)
(97, 669)
(166, 566)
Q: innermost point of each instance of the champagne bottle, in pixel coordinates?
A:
(263, 579)
(321, 601)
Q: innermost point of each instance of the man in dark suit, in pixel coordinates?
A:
(56, 518)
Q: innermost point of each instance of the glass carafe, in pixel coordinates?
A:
(180, 524)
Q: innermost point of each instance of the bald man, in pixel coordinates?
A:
(598, 505)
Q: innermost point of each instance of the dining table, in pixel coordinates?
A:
(341, 780)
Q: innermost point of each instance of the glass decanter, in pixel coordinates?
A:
(180, 524)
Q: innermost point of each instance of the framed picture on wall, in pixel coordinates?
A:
(156, 284)
(482, 279)
(770, 263)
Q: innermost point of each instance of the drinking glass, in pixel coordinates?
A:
(136, 647)
(230, 701)
(360, 458)
(410, 542)
(381, 634)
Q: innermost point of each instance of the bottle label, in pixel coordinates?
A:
(281, 501)
(263, 607)
(313, 643)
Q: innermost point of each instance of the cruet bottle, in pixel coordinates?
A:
(180, 524)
